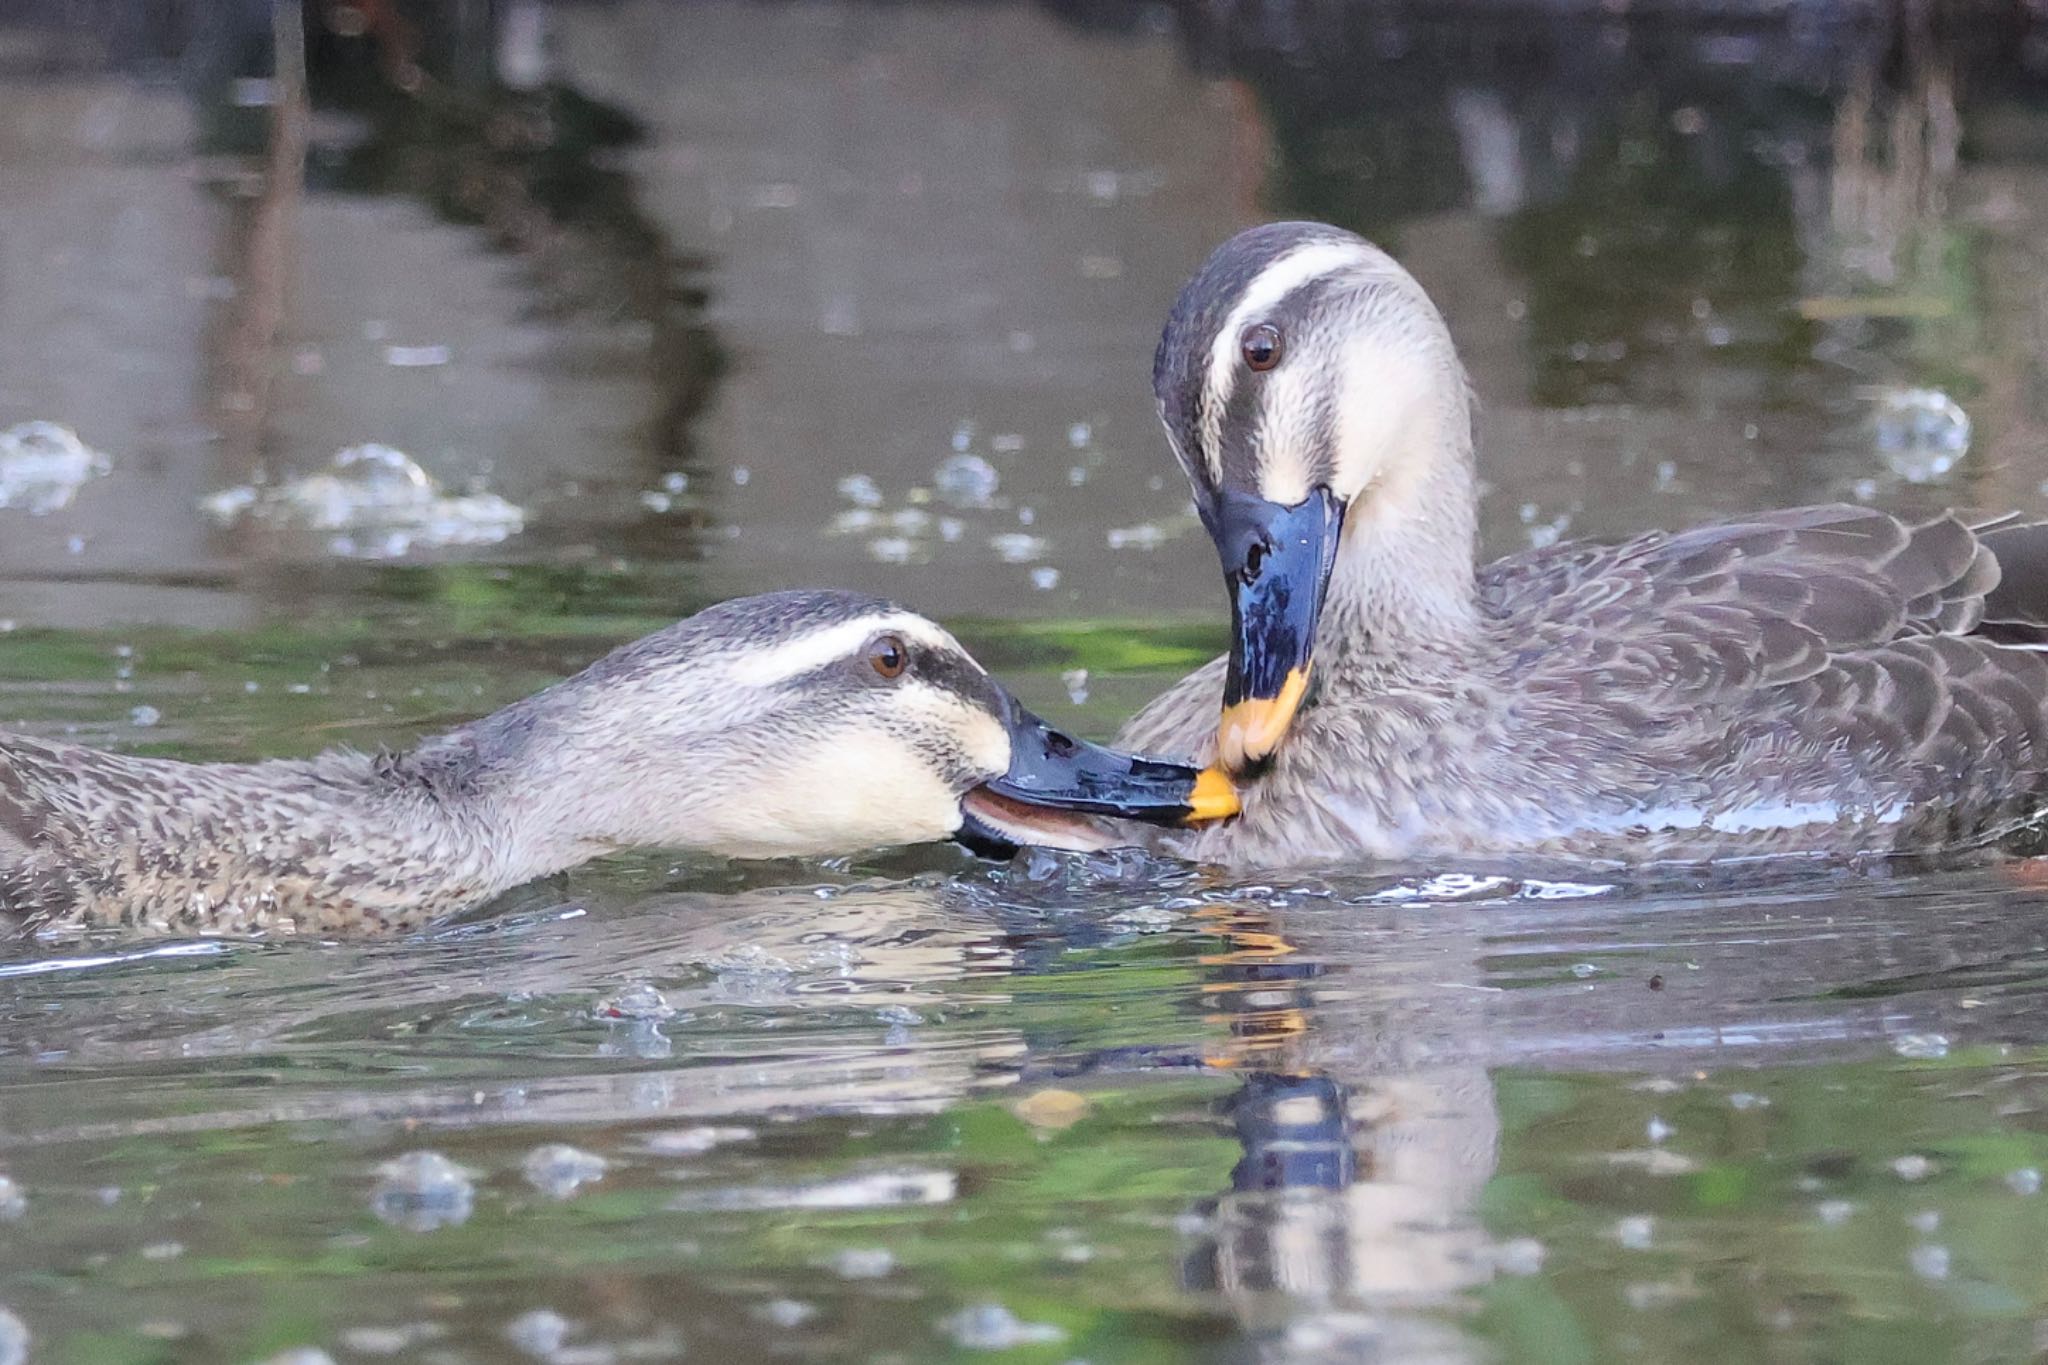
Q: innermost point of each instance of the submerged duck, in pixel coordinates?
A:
(797, 723)
(1822, 680)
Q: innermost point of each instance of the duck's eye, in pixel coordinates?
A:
(1261, 346)
(889, 656)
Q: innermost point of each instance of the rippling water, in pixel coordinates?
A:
(717, 298)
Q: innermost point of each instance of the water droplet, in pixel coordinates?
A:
(1635, 1231)
(1913, 1166)
(142, 717)
(1075, 680)
(1582, 970)
(1930, 1262)
(1834, 1212)
(2025, 1180)
(1659, 1130)
(966, 480)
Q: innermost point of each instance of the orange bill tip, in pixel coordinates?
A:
(1252, 729)
(1214, 797)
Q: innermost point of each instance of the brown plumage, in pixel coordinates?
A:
(1821, 680)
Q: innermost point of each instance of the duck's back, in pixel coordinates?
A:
(1825, 679)
(99, 838)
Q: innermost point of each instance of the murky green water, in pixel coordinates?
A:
(712, 294)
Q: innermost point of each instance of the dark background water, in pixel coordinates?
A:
(718, 295)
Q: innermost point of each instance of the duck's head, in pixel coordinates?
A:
(811, 723)
(1308, 387)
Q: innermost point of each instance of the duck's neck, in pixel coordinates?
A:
(556, 780)
(1403, 583)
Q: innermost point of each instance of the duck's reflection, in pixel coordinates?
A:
(1350, 1215)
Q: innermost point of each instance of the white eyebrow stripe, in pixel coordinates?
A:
(768, 665)
(1285, 275)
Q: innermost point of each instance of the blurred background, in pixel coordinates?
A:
(718, 297)
(365, 364)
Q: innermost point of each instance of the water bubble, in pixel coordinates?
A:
(540, 1332)
(1080, 435)
(1930, 1262)
(392, 1340)
(1927, 1220)
(992, 1327)
(1922, 433)
(637, 1001)
(694, 1141)
(1045, 578)
(863, 1263)
(1519, 1256)
(1743, 1100)
(382, 500)
(786, 1313)
(1659, 1130)
(860, 490)
(13, 1200)
(1075, 680)
(43, 465)
(1834, 1212)
(1913, 1166)
(557, 1169)
(1582, 970)
(1635, 1232)
(1144, 536)
(966, 480)
(892, 550)
(422, 1191)
(142, 717)
(2025, 1180)
(1016, 547)
(1920, 1047)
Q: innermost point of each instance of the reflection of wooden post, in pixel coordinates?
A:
(262, 267)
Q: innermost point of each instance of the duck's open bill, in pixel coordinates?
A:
(1276, 563)
(1054, 777)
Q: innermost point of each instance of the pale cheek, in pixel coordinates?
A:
(1380, 419)
(861, 794)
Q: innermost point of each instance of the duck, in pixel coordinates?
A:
(1813, 682)
(792, 724)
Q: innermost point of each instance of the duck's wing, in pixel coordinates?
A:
(1839, 623)
(1805, 583)
(21, 819)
